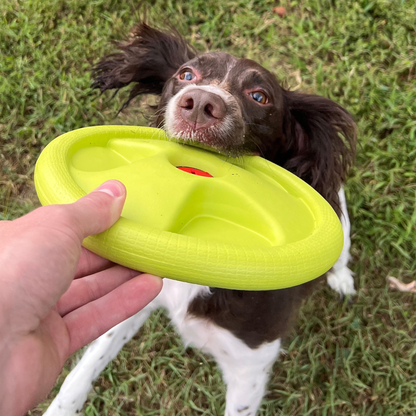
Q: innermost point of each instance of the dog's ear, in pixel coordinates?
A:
(320, 142)
(148, 58)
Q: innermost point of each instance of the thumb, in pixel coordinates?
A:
(98, 210)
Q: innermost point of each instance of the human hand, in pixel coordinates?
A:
(55, 296)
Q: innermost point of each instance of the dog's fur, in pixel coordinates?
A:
(309, 135)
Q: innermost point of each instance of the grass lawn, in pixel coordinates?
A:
(342, 358)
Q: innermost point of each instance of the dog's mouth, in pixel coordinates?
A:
(207, 139)
(208, 143)
(186, 140)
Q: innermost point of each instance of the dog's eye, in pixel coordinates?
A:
(259, 96)
(187, 75)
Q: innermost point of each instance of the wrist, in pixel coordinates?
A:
(5, 358)
(22, 369)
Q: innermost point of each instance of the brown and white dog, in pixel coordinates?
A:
(236, 107)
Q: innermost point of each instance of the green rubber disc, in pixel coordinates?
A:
(193, 215)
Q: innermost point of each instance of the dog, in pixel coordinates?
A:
(236, 107)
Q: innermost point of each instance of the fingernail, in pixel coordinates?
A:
(112, 188)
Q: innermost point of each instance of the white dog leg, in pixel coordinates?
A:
(245, 370)
(246, 375)
(73, 394)
(340, 277)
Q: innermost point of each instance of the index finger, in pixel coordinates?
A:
(93, 319)
(90, 263)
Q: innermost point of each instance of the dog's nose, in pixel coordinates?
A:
(201, 108)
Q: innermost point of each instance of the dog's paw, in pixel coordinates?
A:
(342, 281)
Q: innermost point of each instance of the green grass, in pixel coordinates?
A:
(342, 359)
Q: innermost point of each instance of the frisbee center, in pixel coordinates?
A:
(194, 171)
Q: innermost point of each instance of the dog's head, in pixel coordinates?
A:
(234, 106)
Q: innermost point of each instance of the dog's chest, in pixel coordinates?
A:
(197, 332)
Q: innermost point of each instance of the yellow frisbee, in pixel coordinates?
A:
(193, 215)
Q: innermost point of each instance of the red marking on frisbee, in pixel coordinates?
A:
(195, 171)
